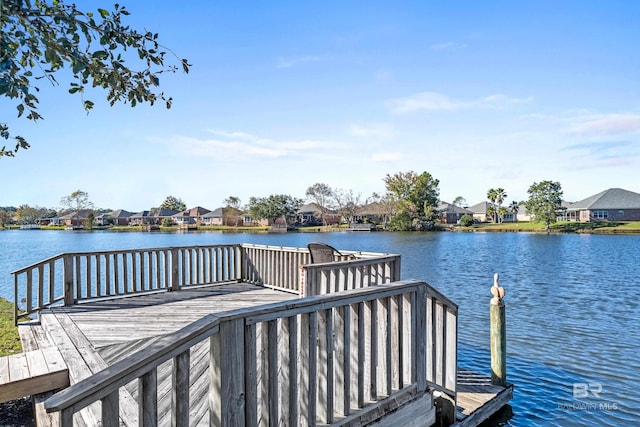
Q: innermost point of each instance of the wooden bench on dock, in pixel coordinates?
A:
(32, 372)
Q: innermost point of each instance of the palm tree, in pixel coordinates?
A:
(500, 196)
(492, 196)
(491, 211)
(496, 196)
(514, 207)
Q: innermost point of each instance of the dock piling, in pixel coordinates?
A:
(498, 335)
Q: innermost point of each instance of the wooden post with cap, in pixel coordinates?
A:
(498, 335)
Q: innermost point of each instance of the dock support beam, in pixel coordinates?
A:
(498, 335)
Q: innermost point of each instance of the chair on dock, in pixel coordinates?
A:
(321, 253)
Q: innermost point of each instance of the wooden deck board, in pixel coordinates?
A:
(144, 317)
(93, 335)
(477, 398)
(31, 372)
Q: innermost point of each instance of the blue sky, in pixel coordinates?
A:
(283, 95)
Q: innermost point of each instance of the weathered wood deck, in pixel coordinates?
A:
(94, 335)
(32, 372)
(220, 335)
(477, 398)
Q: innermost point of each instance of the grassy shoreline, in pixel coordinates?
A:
(560, 227)
(9, 338)
(601, 227)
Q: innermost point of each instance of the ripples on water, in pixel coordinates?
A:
(572, 305)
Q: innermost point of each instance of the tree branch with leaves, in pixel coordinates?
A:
(38, 38)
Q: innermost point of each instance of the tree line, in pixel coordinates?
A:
(410, 203)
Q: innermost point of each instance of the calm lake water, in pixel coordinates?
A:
(573, 328)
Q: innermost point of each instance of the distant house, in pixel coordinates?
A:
(223, 216)
(117, 217)
(614, 204)
(480, 211)
(311, 214)
(190, 216)
(451, 214)
(54, 220)
(215, 217)
(372, 213)
(523, 214)
(249, 221)
(75, 219)
(151, 217)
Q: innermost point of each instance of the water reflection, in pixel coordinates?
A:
(572, 304)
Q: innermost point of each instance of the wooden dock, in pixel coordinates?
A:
(158, 343)
(477, 398)
(32, 372)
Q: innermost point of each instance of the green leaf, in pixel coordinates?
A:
(100, 54)
(104, 13)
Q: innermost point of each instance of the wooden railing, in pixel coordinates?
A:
(318, 279)
(70, 278)
(328, 359)
(73, 277)
(290, 269)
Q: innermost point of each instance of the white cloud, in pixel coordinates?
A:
(606, 124)
(604, 153)
(288, 62)
(432, 101)
(242, 145)
(376, 130)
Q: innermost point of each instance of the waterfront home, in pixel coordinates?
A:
(117, 217)
(614, 204)
(480, 211)
(190, 216)
(312, 214)
(223, 216)
(76, 218)
(249, 221)
(451, 214)
(371, 212)
(151, 217)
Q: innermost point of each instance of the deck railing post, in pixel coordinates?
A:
(175, 281)
(67, 260)
(498, 335)
(227, 375)
(419, 311)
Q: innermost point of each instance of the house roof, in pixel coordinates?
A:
(373, 208)
(446, 207)
(216, 213)
(193, 212)
(221, 212)
(120, 213)
(310, 208)
(480, 208)
(155, 212)
(82, 213)
(613, 198)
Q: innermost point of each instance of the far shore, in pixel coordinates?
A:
(601, 227)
